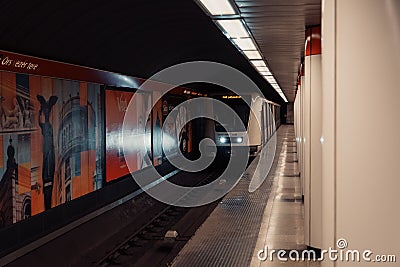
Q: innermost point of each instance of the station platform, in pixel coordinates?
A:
(244, 223)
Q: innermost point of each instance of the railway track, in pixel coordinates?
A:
(148, 245)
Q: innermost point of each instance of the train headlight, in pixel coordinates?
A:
(223, 140)
(239, 140)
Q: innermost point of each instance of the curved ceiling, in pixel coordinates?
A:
(134, 37)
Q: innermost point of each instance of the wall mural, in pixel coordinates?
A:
(51, 143)
(48, 162)
(52, 140)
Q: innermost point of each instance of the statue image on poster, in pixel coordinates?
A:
(50, 139)
(16, 114)
(48, 166)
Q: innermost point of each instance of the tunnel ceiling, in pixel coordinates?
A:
(141, 37)
(278, 27)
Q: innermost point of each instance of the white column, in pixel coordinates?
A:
(306, 150)
(328, 129)
(302, 130)
(361, 93)
(312, 134)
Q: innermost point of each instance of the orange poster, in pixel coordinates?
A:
(116, 105)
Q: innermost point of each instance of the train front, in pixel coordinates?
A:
(237, 132)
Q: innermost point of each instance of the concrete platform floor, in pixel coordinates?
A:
(245, 223)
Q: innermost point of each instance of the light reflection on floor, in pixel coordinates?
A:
(283, 222)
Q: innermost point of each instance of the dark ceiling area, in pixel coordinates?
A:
(134, 37)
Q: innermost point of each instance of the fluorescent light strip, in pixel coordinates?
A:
(270, 79)
(220, 7)
(234, 28)
(265, 73)
(245, 43)
(250, 54)
(258, 63)
(262, 68)
(237, 32)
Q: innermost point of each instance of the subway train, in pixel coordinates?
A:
(260, 120)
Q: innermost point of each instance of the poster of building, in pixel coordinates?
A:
(50, 139)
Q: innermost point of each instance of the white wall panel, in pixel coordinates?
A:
(363, 97)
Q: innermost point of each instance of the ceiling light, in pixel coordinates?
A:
(270, 79)
(262, 68)
(220, 7)
(234, 28)
(245, 43)
(227, 17)
(284, 97)
(266, 73)
(252, 54)
(258, 63)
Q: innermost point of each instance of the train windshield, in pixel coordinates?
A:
(241, 108)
